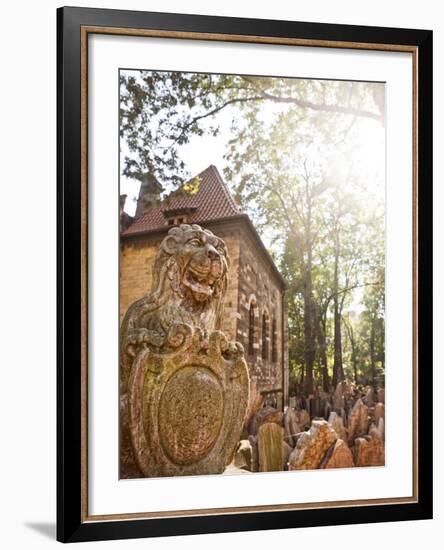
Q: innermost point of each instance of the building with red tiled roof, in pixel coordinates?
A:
(254, 311)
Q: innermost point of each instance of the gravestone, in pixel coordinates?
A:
(291, 426)
(369, 450)
(338, 456)
(337, 423)
(243, 456)
(357, 421)
(312, 446)
(379, 412)
(264, 415)
(286, 451)
(381, 395)
(303, 419)
(270, 447)
(254, 453)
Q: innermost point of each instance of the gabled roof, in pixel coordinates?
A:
(204, 198)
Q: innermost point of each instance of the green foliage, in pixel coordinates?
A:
(291, 164)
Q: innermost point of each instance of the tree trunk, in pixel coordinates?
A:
(354, 360)
(338, 371)
(372, 352)
(309, 312)
(309, 354)
(302, 378)
(322, 343)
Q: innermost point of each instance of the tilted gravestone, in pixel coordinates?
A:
(312, 446)
(357, 421)
(338, 456)
(270, 447)
(186, 385)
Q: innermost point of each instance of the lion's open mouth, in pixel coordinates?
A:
(200, 284)
(201, 281)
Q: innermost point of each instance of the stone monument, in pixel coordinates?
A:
(183, 385)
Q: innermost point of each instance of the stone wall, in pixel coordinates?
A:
(260, 327)
(136, 259)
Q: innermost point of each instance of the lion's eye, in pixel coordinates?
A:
(194, 242)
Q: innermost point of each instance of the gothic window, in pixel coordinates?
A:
(251, 321)
(265, 335)
(274, 341)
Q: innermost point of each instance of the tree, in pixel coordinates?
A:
(161, 110)
(289, 162)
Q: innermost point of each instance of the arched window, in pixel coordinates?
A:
(274, 341)
(251, 321)
(265, 335)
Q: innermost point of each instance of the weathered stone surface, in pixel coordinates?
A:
(379, 412)
(303, 419)
(357, 421)
(128, 467)
(255, 401)
(381, 429)
(266, 414)
(337, 424)
(369, 450)
(254, 453)
(270, 445)
(339, 396)
(185, 385)
(370, 397)
(291, 426)
(312, 446)
(286, 451)
(244, 454)
(338, 456)
(326, 408)
(190, 414)
(381, 395)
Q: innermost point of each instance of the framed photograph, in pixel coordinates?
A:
(244, 274)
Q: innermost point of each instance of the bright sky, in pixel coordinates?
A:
(198, 154)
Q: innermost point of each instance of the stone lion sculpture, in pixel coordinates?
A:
(189, 285)
(171, 340)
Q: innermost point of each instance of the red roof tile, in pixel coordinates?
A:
(211, 201)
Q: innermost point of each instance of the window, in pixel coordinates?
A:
(176, 221)
(274, 341)
(265, 335)
(251, 321)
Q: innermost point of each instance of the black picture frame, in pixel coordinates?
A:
(71, 523)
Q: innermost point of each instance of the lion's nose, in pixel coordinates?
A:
(211, 252)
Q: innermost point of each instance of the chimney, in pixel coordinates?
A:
(149, 194)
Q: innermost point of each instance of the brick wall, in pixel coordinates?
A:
(260, 299)
(136, 258)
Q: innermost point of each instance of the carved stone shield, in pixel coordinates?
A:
(186, 408)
